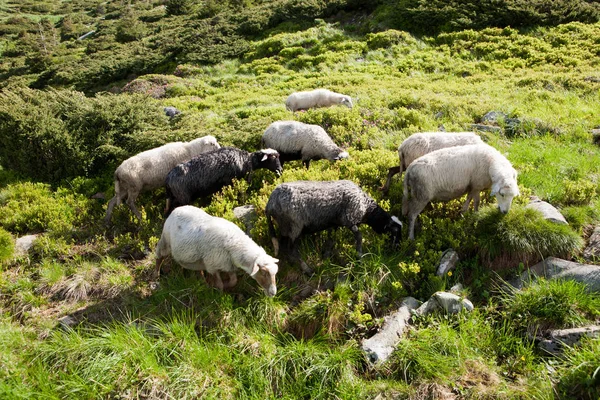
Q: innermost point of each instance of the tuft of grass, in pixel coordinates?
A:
(522, 235)
(579, 371)
(551, 304)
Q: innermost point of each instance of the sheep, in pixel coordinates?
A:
(449, 173)
(316, 98)
(148, 170)
(422, 143)
(209, 172)
(305, 207)
(199, 241)
(299, 141)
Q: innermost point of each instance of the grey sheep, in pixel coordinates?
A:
(209, 172)
(148, 170)
(449, 173)
(299, 141)
(316, 98)
(422, 143)
(305, 207)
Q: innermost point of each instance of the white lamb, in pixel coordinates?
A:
(295, 140)
(148, 170)
(316, 98)
(449, 173)
(201, 242)
(422, 143)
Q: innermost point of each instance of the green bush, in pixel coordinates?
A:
(7, 245)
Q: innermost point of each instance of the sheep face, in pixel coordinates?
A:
(504, 195)
(347, 101)
(394, 228)
(270, 160)
(265, 269)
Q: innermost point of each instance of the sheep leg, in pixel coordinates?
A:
(217, 282)
(391, 172)
(330, 243)
(306, 163)
(465, 206)
(156, 273)
(295, 255)
(476, 199)
(358, 238)
(117, 198)
(232, 279)
(131, 203)
(273, 235)
(414, 209)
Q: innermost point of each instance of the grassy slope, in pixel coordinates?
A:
(181, 339)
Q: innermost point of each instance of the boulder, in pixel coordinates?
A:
(548, 210)
(592, 251)
(449, 302)
(380, 346)
(553, 268)
(247, 214)
(24, 243)
(492, 117)
(447, 262)
(486, 128)
(171, 111)
(567, 337)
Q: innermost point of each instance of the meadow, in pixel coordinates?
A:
(80, 315)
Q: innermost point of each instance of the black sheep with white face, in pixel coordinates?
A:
(305, 207)
(209, 172)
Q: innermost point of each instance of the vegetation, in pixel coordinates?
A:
(80, 316)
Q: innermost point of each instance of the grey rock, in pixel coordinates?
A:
(87, 35)
(24, 243)
(555, 268)
(449, 302)
(592, 251)
(456, 288)
(548, 210)
(171, 112)
(247, 214)
(380, 346)
(567, 337)
(493, 117)
(596, 136)
(447, 262)
(486, 128)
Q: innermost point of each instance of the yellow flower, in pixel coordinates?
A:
(449, 273)
(522, 358)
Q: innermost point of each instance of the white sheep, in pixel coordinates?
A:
(201, 242)
(295, 140)
(422, 143)
(148, 170)
(449, 173)
(316, 98)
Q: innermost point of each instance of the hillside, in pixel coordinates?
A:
(81, 315)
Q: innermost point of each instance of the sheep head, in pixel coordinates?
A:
(269, 159)
(505, 192)
(264, 271)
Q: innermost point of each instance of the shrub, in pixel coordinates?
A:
(7, 245)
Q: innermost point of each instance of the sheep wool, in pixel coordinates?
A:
(199, 241)
(449, 173)
(148, 170)
(305, 207)
(209, 172)
(423, 143)
(299, 141)
(316, 98)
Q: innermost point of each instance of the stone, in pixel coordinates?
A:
(596, 136)
(555, 268)
(592, 251)
(24, 243)
(447, 262)
(449, 302)
(486, 128)
(492, 117)
(380, 346)
(548, 210)
(247, 214)
(171, 111)
(568, 337)
(456, 288)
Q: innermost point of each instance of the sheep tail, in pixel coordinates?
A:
(117, 189)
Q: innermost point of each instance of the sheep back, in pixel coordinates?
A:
(316, 98)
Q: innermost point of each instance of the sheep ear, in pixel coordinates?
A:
(264, 158)
(254, 269)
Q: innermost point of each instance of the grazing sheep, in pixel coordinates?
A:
(422, 143)
(209, 172)
(148, 170)
(299, 141)
(449, 173)
(304, 207)
(316, 98)
(199, 241)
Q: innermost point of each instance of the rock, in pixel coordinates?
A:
(596, 136)
(23, 244)
(99, 196)
(247, 214)
(456, 288)
(87, 35)
(449, 302)
(567, 337)
(492, 117)
(592, 251)
(553, 268)
(380, 346)
(548, 210)
(447, 262)
(486, 128)
(171, 112)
